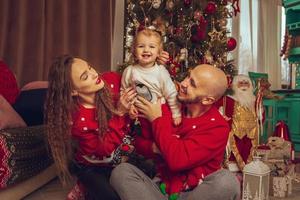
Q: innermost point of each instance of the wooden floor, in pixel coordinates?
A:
(54, 191)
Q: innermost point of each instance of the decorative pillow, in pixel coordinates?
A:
(30, 106)
(8, 116)
(8, 84)
(35, 85)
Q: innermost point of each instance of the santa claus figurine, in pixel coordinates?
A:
(240, 111)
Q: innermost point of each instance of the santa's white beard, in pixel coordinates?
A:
(245, 98)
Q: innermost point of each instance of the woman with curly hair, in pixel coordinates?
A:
(79, 108)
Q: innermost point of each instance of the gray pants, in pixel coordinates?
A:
(132, 184)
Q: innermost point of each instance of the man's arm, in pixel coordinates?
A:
(196, 148)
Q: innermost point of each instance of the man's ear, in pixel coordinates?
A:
(74, 93)
(208, 100)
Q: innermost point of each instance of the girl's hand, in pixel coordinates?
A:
(155, 149)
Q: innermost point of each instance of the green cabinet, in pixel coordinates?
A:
(288, 110)
(292, 12)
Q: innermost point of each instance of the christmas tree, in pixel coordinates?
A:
(194, 31)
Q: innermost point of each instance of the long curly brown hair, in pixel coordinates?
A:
(60, 105)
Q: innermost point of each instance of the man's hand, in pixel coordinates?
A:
(126, 100)
(147, 109)
(163, 58)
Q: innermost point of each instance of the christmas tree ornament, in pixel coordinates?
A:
(211, 8)
(215, 35)
(129, 40)
(208, 57)
(142, 2)
(235, 6)
(198, 15)
(130, 7)
(156, 4)
(198, 32)
(174, 68)
(198, 56)
(226, 13)
(160, 25)
(183, 54)
(223, 2)
(179, 31)
(170, 30)
(231, 44)
(187, 2)
(223, 22)
(170, 5)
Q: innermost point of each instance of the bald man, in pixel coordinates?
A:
(192, 152)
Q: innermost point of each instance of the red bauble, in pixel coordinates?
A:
(198, 32)
(194, 39)
(141, 27)
(179, 31)
(231, 44)
(224, 2)
(211, 8)
(187, 2)
(198, 15)
(201, 34)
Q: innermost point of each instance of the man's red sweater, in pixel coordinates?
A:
(190, 151)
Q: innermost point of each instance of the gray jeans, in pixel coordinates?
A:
(132, 184)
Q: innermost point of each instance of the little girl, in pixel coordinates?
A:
(153, 82)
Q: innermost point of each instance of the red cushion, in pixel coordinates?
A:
(9, 118)
(8, 84)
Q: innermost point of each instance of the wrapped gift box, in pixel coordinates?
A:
(281, 186)
(263, 151)
(281, 178)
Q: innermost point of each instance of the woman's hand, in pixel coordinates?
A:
(163, 57)
(133, 113)
(147, 109)
(155, 149)
(126, 100)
